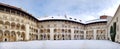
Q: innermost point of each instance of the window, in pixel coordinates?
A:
(55, 30)
(48, 25)
(41, 26)
(55, 25)
(70, 18)
(52, 17)
(75, 19)
(5, 39)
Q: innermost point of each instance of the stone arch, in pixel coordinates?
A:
(36, 30)
(45, 31)
(41, 31)
(62, 30)
(48, 36)
(13, 25)
(1, 24)
(13, 36)
(1, 35)
(23, 36)
(7, 35)
(69, 37)
(69, 31)
(18, 26)
(58, 30)
(18, 33)
(63, 37)
(36, 36)
(32, 29)
(30, 36)
(23, 27)
(55, 30)
(41, 36)
(65, 30)
(55, 37)
(48, 30)
(59, 36)
(75, 36)
(7, 24)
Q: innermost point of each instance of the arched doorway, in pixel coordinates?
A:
(55, 37)
(5, 39)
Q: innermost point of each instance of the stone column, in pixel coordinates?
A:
(84, 34)
(72, 34)
(94, 33)
(27, 32)
(106, 35)
(39, 34)
(17, 38)
(51, 33)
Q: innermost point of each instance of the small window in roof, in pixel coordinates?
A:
(52, 17)
(79, 20)
(70, 18)
(75, 19)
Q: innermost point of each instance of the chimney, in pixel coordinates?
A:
(103, 17)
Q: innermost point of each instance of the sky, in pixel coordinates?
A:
(82, 9)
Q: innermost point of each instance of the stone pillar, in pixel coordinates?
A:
(94, 33)
(27, 32)
(84, 34)
(72, 34)
(51, 33)
(17, 38)
(39, 34)
(106, 35)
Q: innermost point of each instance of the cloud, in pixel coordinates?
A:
(83, 9)
(110, 10)
(87, 9)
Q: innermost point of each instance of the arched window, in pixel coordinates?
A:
(41, 26)
(69, 31)
(12, 25)
(23, 27)
(48, 30)
(55, 30)
(41, 31)
(6, 40)
(6, 33)
(62, 30)
(1, 22)
(18, 26)
(7, 25)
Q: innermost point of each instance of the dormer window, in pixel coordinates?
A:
(52, 17)
(70, 18)
(75, 19)
(79, 20)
